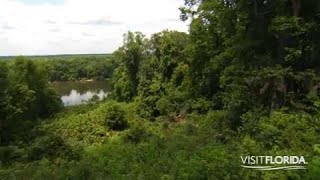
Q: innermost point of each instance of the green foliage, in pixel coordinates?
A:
(138, 132)
(50, 146)
(315, 164)
(186, 150)
(289, 131)
(115, 117)
(80, 67)
(9, 154)
(121, 85)
(130, 55)
(152, 68)
(163, 105)
(243, 81)
(281, 133)
(81, 125)
(26, 97)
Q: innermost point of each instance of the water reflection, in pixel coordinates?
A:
(79, 92)
(75, 98)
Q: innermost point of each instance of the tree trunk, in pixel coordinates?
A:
(296, 6)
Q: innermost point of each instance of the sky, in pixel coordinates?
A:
(48, 27)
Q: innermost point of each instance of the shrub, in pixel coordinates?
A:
(314, 168)
(138, 132)
(115, 118)
(50, 147)
(164, 105)
(9, 153)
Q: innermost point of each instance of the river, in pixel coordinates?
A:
(78, 92)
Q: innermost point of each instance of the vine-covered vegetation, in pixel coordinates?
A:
(243, 81)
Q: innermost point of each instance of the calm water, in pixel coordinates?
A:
(75, 93)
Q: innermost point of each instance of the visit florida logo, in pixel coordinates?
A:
(265, 163)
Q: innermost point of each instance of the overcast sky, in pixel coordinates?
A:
(40, 27)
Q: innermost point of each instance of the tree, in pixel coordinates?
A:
(132, 53)
(115, 117)
(26, 97)
(254, 53)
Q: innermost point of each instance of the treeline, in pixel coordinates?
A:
(90, 67)
(75, 67)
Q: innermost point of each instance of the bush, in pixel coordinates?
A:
(163, 105)
(115, 118)
(314, 168)
(9, 153)
(138, 132)
(50, 147)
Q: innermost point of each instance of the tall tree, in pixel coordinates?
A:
(131, 54)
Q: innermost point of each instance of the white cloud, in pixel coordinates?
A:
(81, 26)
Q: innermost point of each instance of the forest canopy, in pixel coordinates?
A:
(243, 81)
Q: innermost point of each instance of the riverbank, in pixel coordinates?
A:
(82, 80)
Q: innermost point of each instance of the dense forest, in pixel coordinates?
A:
(243, 81)
(91, 67)
(74, 67)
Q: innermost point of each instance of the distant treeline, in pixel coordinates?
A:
(57, 57)
(78, 68)
(75, 67)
